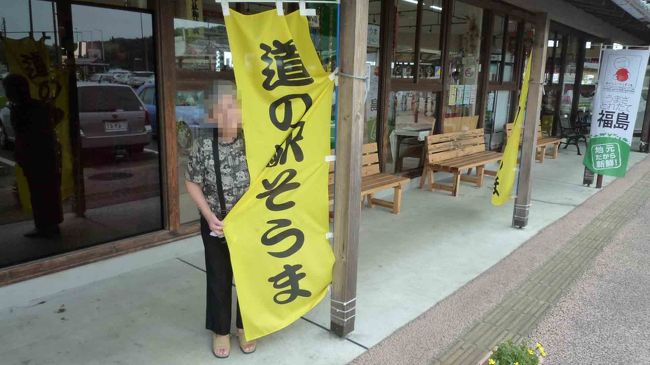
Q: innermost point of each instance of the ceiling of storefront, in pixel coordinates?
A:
(615, 16)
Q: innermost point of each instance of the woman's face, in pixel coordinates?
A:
(227, 115)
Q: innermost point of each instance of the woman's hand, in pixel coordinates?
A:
(214, 223)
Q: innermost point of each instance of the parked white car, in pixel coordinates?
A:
(112, 116)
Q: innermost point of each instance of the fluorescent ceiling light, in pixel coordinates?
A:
(434, 7)
(588, 45)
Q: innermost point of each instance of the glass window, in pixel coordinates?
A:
(510, 51)
(588, 83)
(404, 51)
(118, 164)
(496, 116)
(496, 52)
(411, 118)
(372, 69)
(464, 68)
(569, 76)
(430, 48)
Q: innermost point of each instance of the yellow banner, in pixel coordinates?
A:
(281, 257)
(506, 175)
(30, 58)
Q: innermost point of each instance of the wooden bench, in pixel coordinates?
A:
(543, 143)
(373, 181)
(455, 153)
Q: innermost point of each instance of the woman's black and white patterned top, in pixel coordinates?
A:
(234, 170)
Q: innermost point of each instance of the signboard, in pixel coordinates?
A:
(615, 108)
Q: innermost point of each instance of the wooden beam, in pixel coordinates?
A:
(484, 77)
(347, 180)
(447, 17)
(166, 95)
(386, 39)
(533, 109)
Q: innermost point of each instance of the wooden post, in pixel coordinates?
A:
(166, 94)
(533, 109)
(349, 140)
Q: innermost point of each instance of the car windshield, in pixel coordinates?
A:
(189, 98)
(107, 99)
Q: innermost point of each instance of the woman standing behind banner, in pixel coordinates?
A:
(216, 178)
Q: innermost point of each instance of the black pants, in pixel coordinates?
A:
(218, 270)
(44, 183)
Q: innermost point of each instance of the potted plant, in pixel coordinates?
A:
(510, 353)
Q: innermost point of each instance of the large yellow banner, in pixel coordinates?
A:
(30, 58)
(506, 175)
(281, 257)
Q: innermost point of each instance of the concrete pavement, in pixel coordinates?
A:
(148, 307)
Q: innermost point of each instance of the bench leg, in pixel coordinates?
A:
(456, 183)
(541, 153)
(480, 172)
(397, 200)
(423, 177)
(370, 203)
(556, 150)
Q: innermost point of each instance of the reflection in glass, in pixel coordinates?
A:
(404, 53)
(569, 76)
(496, 53)
(510, 52)
(372, 69)
(118, 163)
(430, 48)
(496, 116)
(411, 119)
(464, 53)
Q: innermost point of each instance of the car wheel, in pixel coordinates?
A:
(4, 139)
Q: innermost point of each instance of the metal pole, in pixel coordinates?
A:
(144, 44)
(31, 20)
(57, 50)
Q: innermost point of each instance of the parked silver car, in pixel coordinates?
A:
(112, 116)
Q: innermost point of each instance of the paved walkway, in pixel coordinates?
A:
(601, 319)
(605, 318)
(147, 307)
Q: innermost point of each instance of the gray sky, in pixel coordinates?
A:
(87, 20)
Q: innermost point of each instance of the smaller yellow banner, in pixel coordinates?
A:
(507, 173)
(30, 58)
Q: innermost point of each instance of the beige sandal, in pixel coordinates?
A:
(245, 346)
(221, 346)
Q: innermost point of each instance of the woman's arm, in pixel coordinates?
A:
(196, 193)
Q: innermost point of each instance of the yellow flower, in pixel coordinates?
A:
(516, 363)
(531, 352)
(491, 361)
(541, 349)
